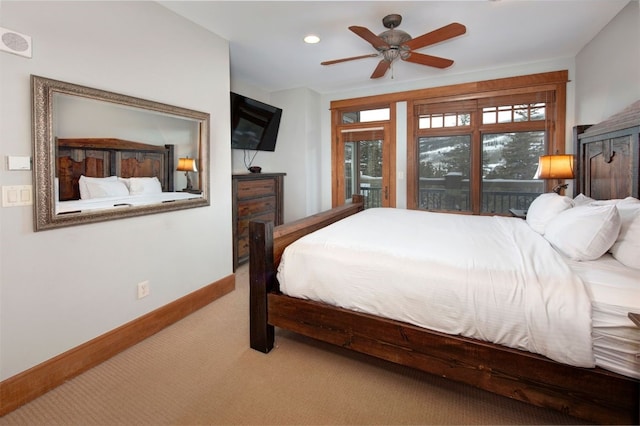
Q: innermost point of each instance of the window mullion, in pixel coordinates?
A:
(476, 164)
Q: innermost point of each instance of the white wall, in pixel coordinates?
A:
(297, 153)
(608, 68)
(60, 288)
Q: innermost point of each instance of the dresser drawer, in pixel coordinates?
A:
(243, 224)
(256, 188)
(243, 232)
(259, 205)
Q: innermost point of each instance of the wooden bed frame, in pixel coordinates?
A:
(103, 157)
(592, 394)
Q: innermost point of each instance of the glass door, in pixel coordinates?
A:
(363, 158)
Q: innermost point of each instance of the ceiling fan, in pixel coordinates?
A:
(393, 44)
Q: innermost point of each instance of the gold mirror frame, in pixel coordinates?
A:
(44, 164)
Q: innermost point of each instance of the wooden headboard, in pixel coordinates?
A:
(608, 156)
(99, 157)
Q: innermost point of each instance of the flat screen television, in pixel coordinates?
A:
(254, 124)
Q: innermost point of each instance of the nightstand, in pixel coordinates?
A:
(522, 214)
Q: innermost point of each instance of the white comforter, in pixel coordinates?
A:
(95, 204)
(489, 278)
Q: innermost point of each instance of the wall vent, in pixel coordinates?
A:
(16, 43)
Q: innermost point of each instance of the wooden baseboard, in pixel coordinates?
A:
(36, 381)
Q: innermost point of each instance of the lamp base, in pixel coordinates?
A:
(559, 188)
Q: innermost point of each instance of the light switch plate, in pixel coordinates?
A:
(19, 163)
(17, 195)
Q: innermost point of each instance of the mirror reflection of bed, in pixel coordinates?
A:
(96, 174)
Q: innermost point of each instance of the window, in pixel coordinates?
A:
(444, 172)
(513, 113)
(365, 116)
(511, 138)
(509, 162)
(477, 153)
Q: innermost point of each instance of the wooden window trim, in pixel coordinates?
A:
(388, 150)
(496, 87)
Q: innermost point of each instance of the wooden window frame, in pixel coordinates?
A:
(337, 153)
(514, 87)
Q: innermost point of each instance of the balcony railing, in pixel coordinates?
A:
(498, 202)
(498, 196)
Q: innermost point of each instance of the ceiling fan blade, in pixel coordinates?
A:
(381, 69)
(337, 61)
(366, 34)
(431, 61)
(436, 36)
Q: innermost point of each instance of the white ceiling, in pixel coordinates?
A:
(267, 50)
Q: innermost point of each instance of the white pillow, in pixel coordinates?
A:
(626, 249)
(110, 188)
(544, 208)
(629, 200)
(582, 199)
(584, 232)
(606, 202)
(144, 185)
(125, 181)
(82, 184)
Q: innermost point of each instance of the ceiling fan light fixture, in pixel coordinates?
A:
(311, 39)
(390, 55)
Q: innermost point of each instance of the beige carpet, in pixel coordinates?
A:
(202, 371)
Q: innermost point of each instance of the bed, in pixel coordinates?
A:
(94, 174)
(598, 384)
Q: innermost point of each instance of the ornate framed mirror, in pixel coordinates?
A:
(100, 155)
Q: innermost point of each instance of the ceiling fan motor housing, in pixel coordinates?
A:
(395, 38)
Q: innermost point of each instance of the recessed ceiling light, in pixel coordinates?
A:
(312, 39)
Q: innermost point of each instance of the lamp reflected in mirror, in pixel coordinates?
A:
(558, 166)
(187, 165)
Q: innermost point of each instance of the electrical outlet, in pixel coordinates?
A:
(143, 289)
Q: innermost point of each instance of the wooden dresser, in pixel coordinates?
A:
(256, 196)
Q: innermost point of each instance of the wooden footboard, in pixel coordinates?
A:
(266, 245)
(594, 394)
